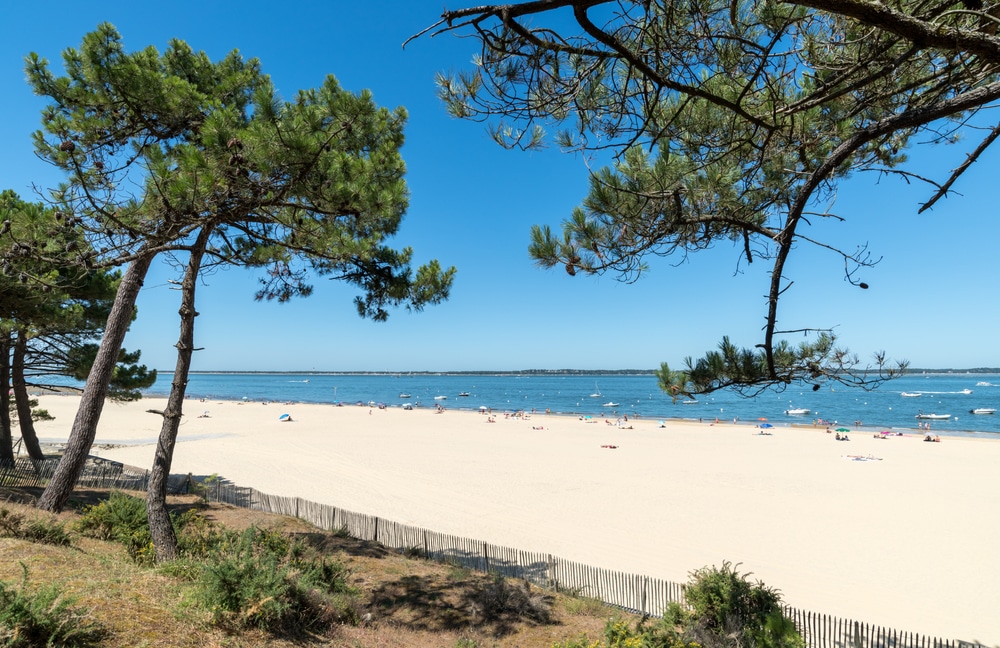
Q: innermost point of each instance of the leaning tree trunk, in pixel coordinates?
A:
(160, 527)
(84, 430)
(28, 437)
(6, 438)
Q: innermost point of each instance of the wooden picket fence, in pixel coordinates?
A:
(631, 592)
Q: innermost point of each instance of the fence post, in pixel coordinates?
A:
(427, 554)
(376, 529)
(486, 558)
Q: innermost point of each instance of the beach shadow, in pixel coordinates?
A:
(330, 542)
(435, 603)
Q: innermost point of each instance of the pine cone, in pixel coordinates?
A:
(68, 146)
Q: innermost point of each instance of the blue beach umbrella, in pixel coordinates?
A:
(285, 417)
(766, 425)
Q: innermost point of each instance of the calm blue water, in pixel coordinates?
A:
(881, 409)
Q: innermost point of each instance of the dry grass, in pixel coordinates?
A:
(406, 602)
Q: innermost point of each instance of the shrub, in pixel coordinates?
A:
(726, 609)
(46, 532)
(258, 579)
(619, 633)
(246, 590)
(122, 518)
(43, 618)
(43, 531)
(10, 523)
(119, 517)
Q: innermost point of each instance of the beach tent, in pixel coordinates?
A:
(285, 417)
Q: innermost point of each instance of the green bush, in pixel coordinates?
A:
(726, 609)
(244, 590)
(117, 518)
(43, 531)
(259, 579)
(122, 518)
(43, 618)
(256, 578)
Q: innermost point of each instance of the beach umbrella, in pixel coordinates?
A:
(842, 430)
(284, 417)
(766, 425)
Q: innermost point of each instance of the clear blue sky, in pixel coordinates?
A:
(932, 299)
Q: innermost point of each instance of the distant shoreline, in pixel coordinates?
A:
(526, 372)
(520, 372)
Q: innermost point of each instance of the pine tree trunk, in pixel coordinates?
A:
(160, 527)
(6, 438)
(28, 437)
(81, 438)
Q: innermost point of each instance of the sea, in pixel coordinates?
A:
(633, 395)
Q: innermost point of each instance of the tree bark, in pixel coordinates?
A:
(160, 527)
(6, 438)
(28, 437)
(81, 438)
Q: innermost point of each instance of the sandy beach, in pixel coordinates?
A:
(905, 539)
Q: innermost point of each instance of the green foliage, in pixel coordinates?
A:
(748, 371)
(723, 597)
(311, 184)
(258, 579)
(122, 518)
(55, 299)
(40, 530)
(128, 378)
(246, 588)
(45, 617)
(255, 578)
(36, 413)
(729, 124)
(725, 608)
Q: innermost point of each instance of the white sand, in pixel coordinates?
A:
(908, 542)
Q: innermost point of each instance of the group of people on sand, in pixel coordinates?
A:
(933, 438)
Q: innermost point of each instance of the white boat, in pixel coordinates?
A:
(440, 398)
(799, 411)
(910, 394)
(690, 402)
(610, 404)
(983, 410)
(403, 395)
(934, 417)
(463, 393)
(597, 393)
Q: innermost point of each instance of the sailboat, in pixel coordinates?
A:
(597, 393)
